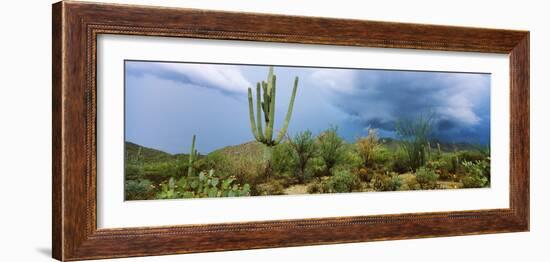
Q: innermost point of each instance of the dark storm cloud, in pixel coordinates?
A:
(459, 102)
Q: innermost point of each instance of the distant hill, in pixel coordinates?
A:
(249, 150)
(147, 154)
(253, 150)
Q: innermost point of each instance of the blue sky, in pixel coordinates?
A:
(166, 103)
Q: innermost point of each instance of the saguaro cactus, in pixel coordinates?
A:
(267, 106)
(192, 156)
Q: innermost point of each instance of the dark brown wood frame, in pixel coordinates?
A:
(76, 26)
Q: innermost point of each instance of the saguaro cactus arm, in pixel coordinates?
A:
(265, 103)
(271, 116)
(251, 115)
(259, 114)
(288, 113)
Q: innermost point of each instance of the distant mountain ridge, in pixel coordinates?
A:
(255, 150)
(133, 150)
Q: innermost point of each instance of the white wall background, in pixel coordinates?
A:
(25, 147)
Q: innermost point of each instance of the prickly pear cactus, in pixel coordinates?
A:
(206, 184)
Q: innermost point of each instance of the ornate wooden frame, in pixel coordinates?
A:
(76, 26)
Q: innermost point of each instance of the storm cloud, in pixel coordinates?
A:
(459, 102)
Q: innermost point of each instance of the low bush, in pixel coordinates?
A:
(471, 156)
(474, 181)
(156, 172)
(451, 161)
(427, 178)
(217, 161)
(164, 170)
(368, 147)
(351, 159)
(304, 148)
(283, 159)
(342, 181)
(382, 157)
(272, 187)
(441, 167)
(479, 168)
(316, 167)
(247, 171)
(133, 172)
(315, 188)
(386, 182)
(476, 174)
(331, 149)
(410, 183)
(364, 174)
(138, 190)
(400, 163)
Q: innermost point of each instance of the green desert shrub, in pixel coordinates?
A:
(162, 171)
(351, 160)
(452, 162)
(473, 181)
(133, 168)
(382, 158)
(475, 174)
(315, 188)
(342, 181)
(272, 187)
(427, 178)
(368, 147)
(133, 171)
(304, 149)
(408, 182)
(316, 167)
(400, 163)
(471, 156)
(139, 190)
(283, 158)
(479, 168)
(246, 171)
(364, 174)
(395, 182)
(441, 167)
(331, 148)
(217, 161)
(386, 182)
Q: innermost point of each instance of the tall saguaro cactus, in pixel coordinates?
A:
(192, 156)
(267, 106)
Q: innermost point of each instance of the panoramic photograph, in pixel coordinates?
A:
(205, 130)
